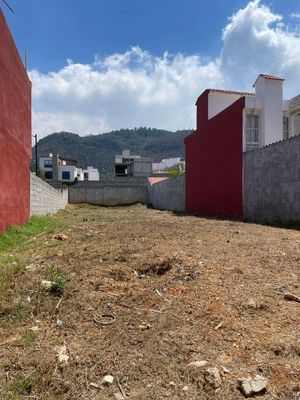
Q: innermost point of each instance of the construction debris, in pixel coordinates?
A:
(250, 387)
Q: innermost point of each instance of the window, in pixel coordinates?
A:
(48, 174)
(252, 132)
(47, 163)
(86, 176)
(285, 127)
(65, 175)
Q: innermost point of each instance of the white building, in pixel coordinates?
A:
(58, 168)
(267, 118)
(90, 174)
(167, 163)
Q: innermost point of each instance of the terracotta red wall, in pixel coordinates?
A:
(15, 133)
(214, 162)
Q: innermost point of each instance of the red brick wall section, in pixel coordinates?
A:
(214, 162)
(15, 133)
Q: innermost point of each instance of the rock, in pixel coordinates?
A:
(60, 236)
(185, 388)
(144, 325)
(62, 354)
(47, 284)
(251, 387)
(213, 378)
(108, 380)
(197, 363)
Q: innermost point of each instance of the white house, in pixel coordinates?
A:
(267, 118)
(90, 174)
(58, 168)
(167, 163)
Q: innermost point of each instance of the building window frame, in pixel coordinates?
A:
(47, 163)
(252, 130)
(65, 175)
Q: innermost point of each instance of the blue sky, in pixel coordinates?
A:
(52, 31)
(98, 65)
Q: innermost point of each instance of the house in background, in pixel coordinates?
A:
(15, 133)
(228, 124)
(90, 174)
(161, 167)
(128, 165)
(57, 168)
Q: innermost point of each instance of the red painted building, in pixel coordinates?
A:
(15, 133)
(214, 160)
(230, 123)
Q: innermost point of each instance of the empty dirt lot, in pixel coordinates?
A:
(141, 294)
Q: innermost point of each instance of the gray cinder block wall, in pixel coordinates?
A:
(109, 192)
(168, 194)
(272, 182)
(44, 199)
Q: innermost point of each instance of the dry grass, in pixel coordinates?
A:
(169, 281)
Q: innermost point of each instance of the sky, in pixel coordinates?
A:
(100, 65)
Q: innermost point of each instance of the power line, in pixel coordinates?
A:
(8, 6)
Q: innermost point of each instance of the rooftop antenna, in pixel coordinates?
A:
(8, 6)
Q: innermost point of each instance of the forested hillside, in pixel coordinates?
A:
(99, 150)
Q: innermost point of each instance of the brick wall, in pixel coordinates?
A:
(44, 199)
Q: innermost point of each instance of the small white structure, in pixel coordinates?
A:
(267, 118)
(167, 163)
(90, 174)
(57, 168)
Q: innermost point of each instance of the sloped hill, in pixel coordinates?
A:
(99, 150)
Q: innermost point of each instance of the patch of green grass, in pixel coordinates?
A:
(16, 235)
(58, 279)
(29, 338)
(21, 386)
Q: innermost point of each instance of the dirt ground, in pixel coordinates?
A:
(146, 293)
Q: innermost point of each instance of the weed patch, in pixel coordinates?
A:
(21, 386)
(58, 279)
(16, 235)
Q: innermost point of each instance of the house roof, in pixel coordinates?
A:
(231, 92)
(67, 159)
(271, 77)
(154, 180)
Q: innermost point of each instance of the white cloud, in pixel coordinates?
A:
(122, 90)
(295, 15)
(137, 88)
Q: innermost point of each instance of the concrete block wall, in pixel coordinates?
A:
(168, 194)
(109, 192)
(44, 199)
(272, 182)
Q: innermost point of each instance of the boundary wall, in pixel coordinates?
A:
(44, 199)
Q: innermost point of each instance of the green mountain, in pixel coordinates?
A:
(99, 150)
